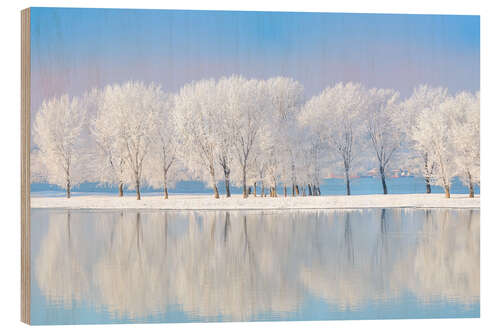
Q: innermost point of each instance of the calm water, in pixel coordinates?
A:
(330, 186)
(152, 266)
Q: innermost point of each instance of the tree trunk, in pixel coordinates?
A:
(227, 182)
(309, 189)
(165, 191)
(284, 190)
(316, 190)
(293, 189)
(471, 185)
(216, 191)
(427, 185)
(228, 190)
(427, 178)
(347, 181)
(214, 183)
(68, 189)
(303, 191)
(382, 177)
(254, 189)
(120, 189)
(297, 190)
(138, 189)
(245, 193)
(319, 191)
(447, 191)
(262, 189)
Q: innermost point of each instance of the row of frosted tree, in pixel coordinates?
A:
(256, 134)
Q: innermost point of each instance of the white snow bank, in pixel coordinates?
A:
(195, 202)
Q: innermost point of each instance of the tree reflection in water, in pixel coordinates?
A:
(237, 265)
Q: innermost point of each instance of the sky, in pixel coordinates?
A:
(74, 50)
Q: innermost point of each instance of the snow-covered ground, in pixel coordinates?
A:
(237, 202)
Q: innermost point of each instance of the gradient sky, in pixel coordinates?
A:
(73, 50)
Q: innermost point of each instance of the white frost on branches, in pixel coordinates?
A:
(286, 98)
(250, 132)
(338, 116)
(424, 97)
(57, 135)
(383, 128)
(162, 166)
(449, 133)
(194, 110)
(466, 138)
(130, 113)
(110, 167)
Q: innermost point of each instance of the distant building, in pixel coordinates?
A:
(396, 173)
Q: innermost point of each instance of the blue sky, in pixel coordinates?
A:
(76, 49)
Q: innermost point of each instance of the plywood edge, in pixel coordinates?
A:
(25, 165)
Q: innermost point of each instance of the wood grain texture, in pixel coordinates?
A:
(25, 165)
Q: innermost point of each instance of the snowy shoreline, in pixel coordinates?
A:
(207, 202)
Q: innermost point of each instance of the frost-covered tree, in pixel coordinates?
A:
(134, 108)
(225, 118)
(194, 110)
(314, 139)
(286, 97)
(162, 166)
(268, 162)
(423, 97)
(265, 163)
(57, 134)
(464, 133)
(383, 127)
(303, 168)
(338, 117)
(250, 102)
(313, 148)
(110, 153)
(253, 132)
(262, 167)
(432, 133)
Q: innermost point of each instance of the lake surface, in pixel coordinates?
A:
(329, 186)
(172, 266)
